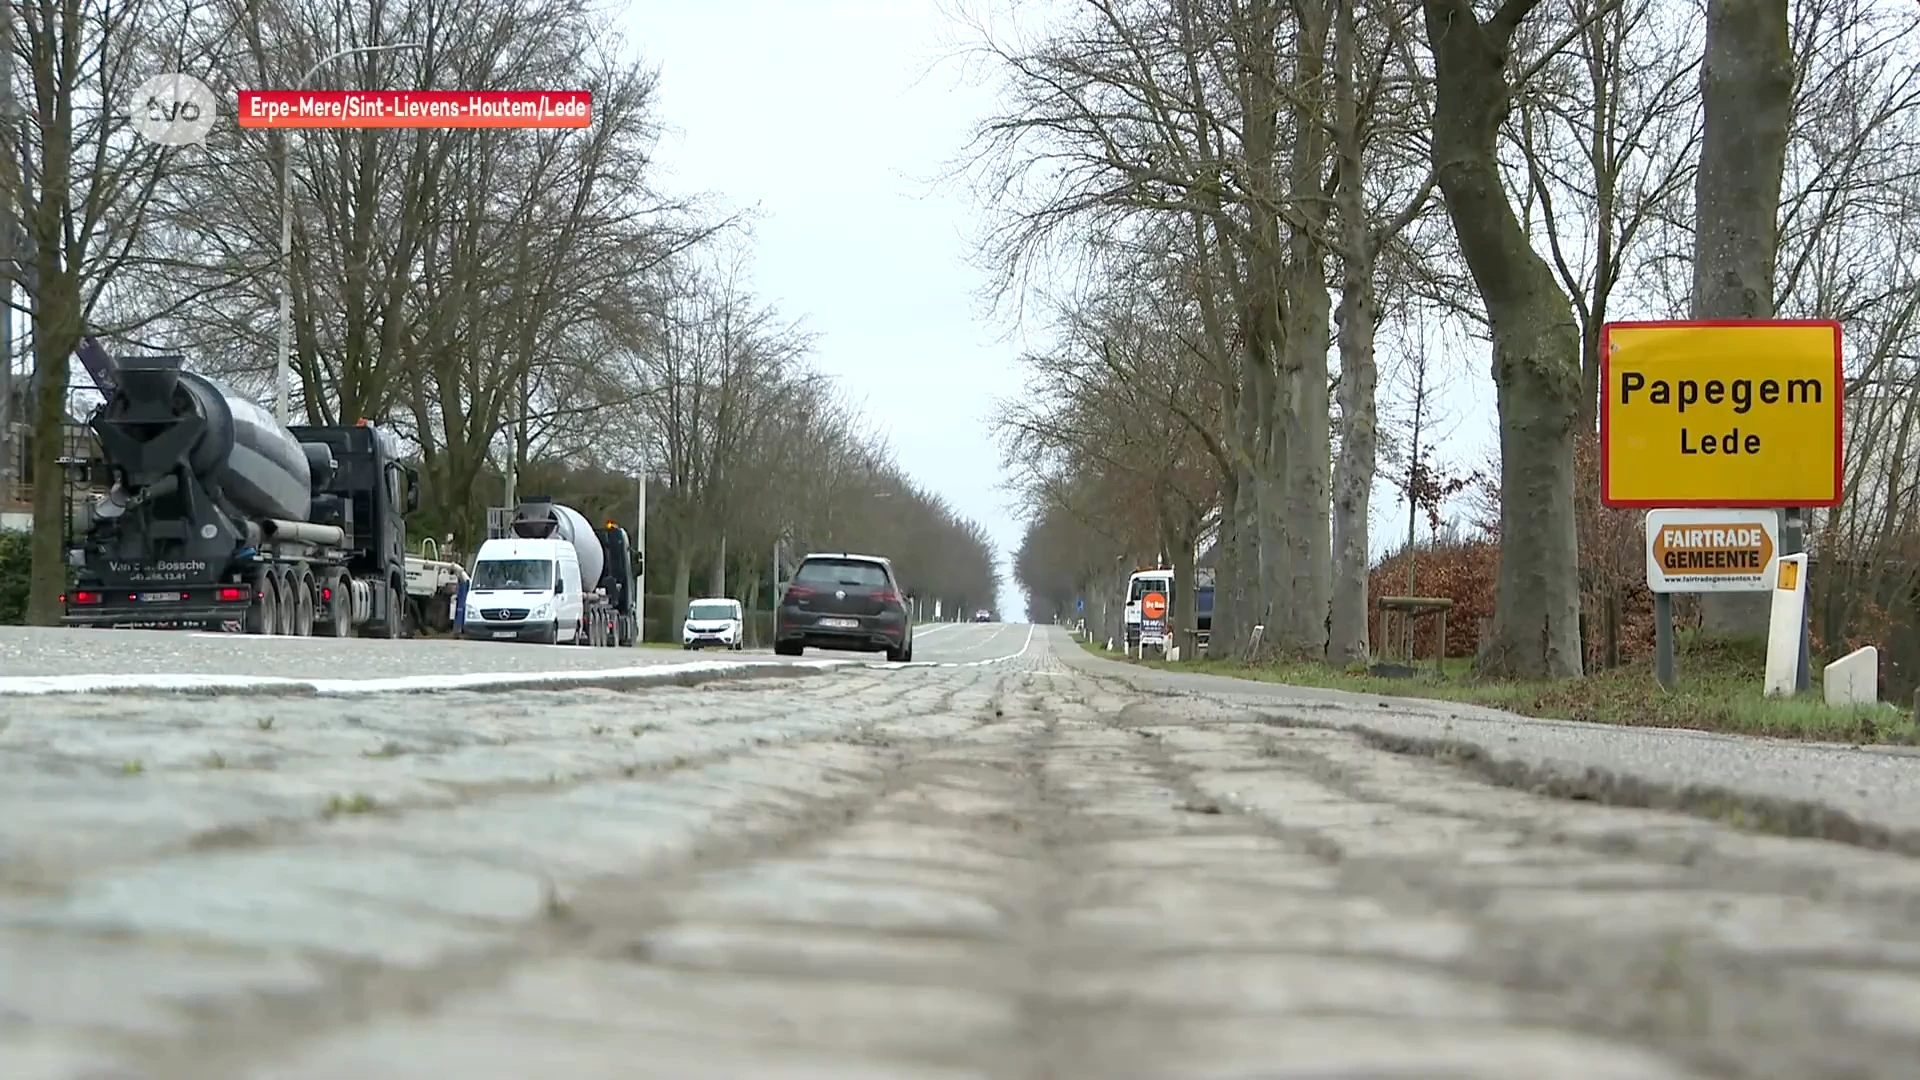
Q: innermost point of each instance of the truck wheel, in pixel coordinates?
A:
(289, 600)
(303, 593)
(277, 620)
(396, 598)
(263, 615)
(339, 609)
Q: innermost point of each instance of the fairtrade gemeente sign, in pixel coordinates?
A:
(1695, 551)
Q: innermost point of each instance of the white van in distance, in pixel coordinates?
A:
(526, 590)
(714, 620)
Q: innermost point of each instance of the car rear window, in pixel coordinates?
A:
(842, 572)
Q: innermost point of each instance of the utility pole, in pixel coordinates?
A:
(640, 553)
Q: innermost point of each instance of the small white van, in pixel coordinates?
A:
(714, 620)
(526, 590)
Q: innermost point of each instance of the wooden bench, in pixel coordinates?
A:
(1411, 609)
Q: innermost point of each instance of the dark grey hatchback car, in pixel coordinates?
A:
(850, 602)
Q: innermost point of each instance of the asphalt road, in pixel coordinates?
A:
(1008, 860)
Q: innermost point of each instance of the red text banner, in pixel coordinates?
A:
(415, 108)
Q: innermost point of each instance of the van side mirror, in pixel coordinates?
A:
(559, 585)
(413, 490)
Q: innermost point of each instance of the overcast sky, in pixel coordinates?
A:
(823, 115)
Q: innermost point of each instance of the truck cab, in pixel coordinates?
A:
(1149, 629)
(369, 494)
(525, 590)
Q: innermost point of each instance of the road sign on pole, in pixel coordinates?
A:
(1701, 551)
(1720, 414)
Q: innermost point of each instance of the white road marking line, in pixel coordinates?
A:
(1028, 644)
(94, 683)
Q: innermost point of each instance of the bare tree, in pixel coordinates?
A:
(1746, 84)
(81, 182)
(1364, 230)
(1536, 345)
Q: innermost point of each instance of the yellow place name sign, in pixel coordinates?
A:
(1720, 414)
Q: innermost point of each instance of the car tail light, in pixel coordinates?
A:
(227, 594)
(85, 597)
(798, 592)
(886, 596)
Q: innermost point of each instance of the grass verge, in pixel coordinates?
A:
(1719, 690)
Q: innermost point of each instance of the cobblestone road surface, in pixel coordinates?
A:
(1016, 869)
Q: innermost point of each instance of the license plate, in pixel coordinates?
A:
(503, 633)
(159, 597)
(841, 624)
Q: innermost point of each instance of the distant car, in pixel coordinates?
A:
(714, 621)
(983, 615)
(845, 601)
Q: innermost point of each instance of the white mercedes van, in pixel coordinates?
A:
(526, 590)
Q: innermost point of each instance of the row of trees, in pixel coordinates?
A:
(516, 303)
(1255, 199)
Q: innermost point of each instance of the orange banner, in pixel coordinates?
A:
(416, 108)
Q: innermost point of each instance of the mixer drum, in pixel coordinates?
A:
(260, 468)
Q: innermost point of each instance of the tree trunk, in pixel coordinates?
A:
(747, 604)
(1536, 348)
(56, 303)
(1354, 474)
(1263, 405)
(1180, 613)
(51, 349)
(1308, 330)
(1359, 444)
(1227, 623)
(682, 582)
(1309, 588)
(1746, 85)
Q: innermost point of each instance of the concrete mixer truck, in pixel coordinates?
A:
(215, 516)
(546, 575)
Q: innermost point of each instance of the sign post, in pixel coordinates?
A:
(1704, 551)
(1715, 426)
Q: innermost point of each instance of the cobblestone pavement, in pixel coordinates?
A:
(1010, 870)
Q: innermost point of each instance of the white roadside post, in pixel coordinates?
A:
(1716, 427)
(1789, 614)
